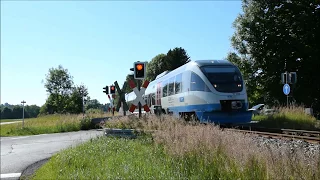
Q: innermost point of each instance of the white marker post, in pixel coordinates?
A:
(23, 113)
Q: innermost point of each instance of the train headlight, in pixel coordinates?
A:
(239, 85)
(215, 85)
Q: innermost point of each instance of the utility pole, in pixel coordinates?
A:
(23, 113)
(82, 106)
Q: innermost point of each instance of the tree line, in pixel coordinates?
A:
(9, 111)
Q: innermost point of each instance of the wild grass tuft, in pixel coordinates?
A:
(292, 117)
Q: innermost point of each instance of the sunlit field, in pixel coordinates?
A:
(179, 150)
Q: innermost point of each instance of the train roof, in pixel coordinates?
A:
(213, 63)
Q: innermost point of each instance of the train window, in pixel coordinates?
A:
(171, 86)
(153, 99)
(197, 84)
(178, 83)
(165, 88)
(224, 79)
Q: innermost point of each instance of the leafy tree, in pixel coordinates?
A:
(59, 85)
(6, 113)
(156, 66)
(75, 100)
(17, 112)
(93, 104)
(176, 58)
(58, 81)
(275, 36)
(64, 97)
(32, 111)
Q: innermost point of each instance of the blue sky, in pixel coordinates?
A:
(98, 41)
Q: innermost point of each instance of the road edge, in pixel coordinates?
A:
(31, 169)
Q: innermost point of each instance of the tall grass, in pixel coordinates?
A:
(49, 124)
(180, 150)
(288, 117)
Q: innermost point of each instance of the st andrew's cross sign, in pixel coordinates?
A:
(121, 96)
(139, 96)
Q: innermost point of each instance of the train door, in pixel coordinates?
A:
(158, 96)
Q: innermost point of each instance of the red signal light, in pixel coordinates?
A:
(139, 67)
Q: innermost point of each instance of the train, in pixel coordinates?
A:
(211, 91)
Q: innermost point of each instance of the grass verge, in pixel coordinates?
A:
(49, 124)
(179, 150)
(292, 117)
(113, 158)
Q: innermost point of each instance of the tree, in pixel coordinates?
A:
(64, 97)
(275, 36)
(32, 111)
(93, 104)
(156, 66)
(59, 85)
(58, 81)
(17, 112)
(75, 100)
(176, 58)
(6, 113)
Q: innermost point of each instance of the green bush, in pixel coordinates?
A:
(86, 124)
(292, 117)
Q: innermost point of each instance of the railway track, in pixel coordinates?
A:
(309, 136)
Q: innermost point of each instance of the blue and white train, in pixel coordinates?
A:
(212, 90)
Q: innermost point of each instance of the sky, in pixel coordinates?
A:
(98, 41)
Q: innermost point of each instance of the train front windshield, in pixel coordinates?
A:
(224, 79)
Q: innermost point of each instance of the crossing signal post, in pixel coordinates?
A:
(139, 70)
(286, 79)
(112, 90)
(106, 89)
(113, 93)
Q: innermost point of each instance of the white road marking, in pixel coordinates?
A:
(10, 175)
(40, 134)
(3, 123)
(14, 138)
(20, 137)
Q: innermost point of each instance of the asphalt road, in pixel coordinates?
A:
(17, 153)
